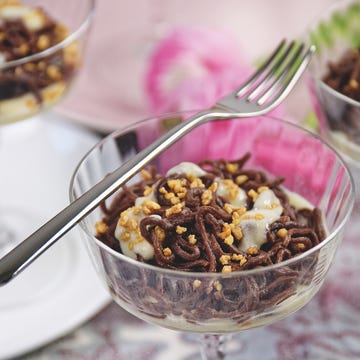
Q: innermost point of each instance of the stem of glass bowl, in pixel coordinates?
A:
(213, 346)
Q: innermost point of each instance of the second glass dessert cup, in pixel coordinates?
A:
(41, 51)
(216, 304)
(336, 35)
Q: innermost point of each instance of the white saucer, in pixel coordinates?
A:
(60, 290)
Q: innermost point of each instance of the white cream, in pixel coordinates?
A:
(13, 12)
(188, 168)
(135, 244)
(297, 201)
(223, 190)
(254, 223)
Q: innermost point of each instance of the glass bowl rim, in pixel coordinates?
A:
(216, 275)
(62, 44)
(332, 91)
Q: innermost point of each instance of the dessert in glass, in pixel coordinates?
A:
(41, 51)
(168, 246)
(335, 76)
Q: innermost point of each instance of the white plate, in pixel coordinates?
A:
(60, 290)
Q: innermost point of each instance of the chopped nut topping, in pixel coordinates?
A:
(241, 179)
(231, 188)
(272, 206)
(177, 185)
(148, 190)
(23, 49)
(253, 194)
(226, 269)
(43, 42)
(174, 209)
(262, 189)
(239, 212)
(236, 218)
(259, 216)
(180, 229)
(354, 84)
(131, 224)
(30, 66)
(281, 233)
(136, 210)
(169, 195)
(41, 65)
(229, 240)
(175, 200)
(226, 231)
(125, 236)
(239, 257)
(192, 239)
(124, 217)
(231, 167)
(300, 246)
(148, 206)
(253, 250)
(53, 72)
(146, 175)
(224, 259)
(206, 197)
(213, 187)
(101, 227)
(167, 251)
(197, 183)
(229, 208)
(237, 232)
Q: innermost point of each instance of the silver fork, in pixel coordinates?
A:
(261, 93)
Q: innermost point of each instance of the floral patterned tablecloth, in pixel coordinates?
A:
(327, 328)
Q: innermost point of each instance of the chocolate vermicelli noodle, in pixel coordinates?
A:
(198, 233)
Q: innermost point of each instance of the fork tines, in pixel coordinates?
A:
(277, 73)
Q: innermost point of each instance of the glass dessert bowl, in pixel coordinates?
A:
(41, 51)
(335, 76)
(217, 303)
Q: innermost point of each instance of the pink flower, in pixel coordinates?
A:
(192, 67)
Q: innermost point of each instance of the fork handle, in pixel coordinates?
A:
(27, 251)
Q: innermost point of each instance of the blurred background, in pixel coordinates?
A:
(111, 91)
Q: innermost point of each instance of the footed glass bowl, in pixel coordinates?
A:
(41, 51)
(335, 32)
(217, 303)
